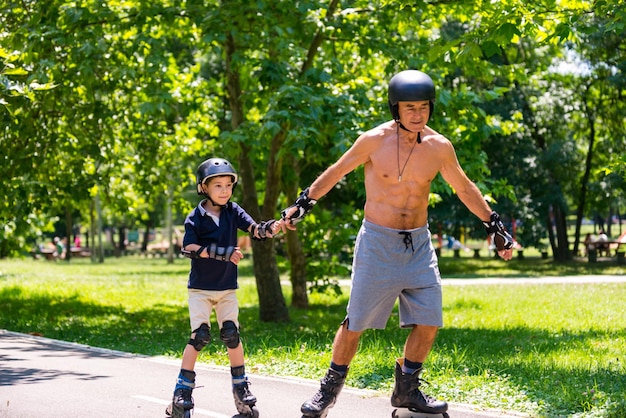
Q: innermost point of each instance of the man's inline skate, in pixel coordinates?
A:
(182, 401)
(406, 394)
(245, 401)
(325, 397)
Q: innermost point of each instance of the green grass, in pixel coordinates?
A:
(547, 350)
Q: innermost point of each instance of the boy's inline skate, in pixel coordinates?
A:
(245, 401)
(182, 401)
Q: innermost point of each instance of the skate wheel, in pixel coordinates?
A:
(170, 411)
(254, 412)
(393, 414)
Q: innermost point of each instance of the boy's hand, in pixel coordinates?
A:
(266, 229)
(276, 227)
(236, 256)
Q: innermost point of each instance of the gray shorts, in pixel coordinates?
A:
(392, 265)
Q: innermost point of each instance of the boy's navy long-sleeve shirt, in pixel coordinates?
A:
(208, 273)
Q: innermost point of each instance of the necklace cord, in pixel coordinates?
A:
(398, 152)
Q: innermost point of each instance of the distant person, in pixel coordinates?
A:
(210, 240)
(394, 258)
(602, 243)
(59, 248)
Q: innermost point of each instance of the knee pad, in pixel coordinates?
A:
(229, 334)
(202, 338)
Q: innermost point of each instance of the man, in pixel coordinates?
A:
(394, 258)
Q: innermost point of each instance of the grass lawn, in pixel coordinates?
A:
(549, 350)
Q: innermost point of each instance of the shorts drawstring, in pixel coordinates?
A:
(407, 240)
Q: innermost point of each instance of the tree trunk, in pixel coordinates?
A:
(560, 222)
(582, 197)
(99, 228)
(295, 252)
(297, 273)
(272, 305)
(68, 233)
(170, 226)
(145, 240)
(121, 239)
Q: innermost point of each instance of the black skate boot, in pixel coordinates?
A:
(182, 401)
(245, 401)
(324, 399)
(406, 394)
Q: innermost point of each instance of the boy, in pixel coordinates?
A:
(211, 242)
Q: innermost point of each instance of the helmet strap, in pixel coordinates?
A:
(205, 194)
(419, 137)
(213, 203)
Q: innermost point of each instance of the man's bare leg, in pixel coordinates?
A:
(419, 343)
(345, 345)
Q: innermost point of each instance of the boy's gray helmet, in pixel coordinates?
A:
(410, 86)
(214, 167)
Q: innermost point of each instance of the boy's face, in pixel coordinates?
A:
(220, 189)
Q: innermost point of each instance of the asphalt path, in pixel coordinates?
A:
(45, 378)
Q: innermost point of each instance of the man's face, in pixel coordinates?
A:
(414, 115)
(220, 189)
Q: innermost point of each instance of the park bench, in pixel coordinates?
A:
(607, 248)
(80, 252)
(47, 253)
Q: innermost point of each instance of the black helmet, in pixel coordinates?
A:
(410, 86)
(214, 167)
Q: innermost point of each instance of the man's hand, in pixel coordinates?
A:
(296, 212)
(499, 236)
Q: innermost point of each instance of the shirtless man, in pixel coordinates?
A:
(393, 257)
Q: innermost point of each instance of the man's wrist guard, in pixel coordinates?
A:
(261, 231)
(497, 232)
(303, 204)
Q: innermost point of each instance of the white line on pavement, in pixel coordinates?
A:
(198, 411)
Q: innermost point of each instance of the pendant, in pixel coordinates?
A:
(399, 179)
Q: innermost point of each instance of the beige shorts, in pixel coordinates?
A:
(202, 303)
